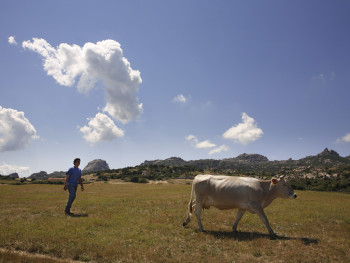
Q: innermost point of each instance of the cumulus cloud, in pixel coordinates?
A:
(219, 149)
(7, 169)
(92, 63)
(12, 40)
(15, 130)
(101, 128)
(245, 132)
(345, 138)
(180, 98)
(205, 144)
(200, 145)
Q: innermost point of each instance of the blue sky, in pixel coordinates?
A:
(128, 81)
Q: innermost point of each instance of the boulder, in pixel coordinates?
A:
(95, 166)
(13, 175)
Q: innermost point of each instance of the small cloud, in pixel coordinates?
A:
(219, 149)
(16, 131)
(199, 145)
(101, 128)
(191, 137)
(12, 40)
(245, 132)
(180, 98)
(320, 77)
(324, 78)
(345, 138)
(205, 144)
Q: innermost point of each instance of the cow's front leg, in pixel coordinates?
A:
(239, 215)
(263, 218)
(256, 208)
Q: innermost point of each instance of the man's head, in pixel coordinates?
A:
(76, 162)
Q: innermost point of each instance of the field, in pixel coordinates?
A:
(143, 223)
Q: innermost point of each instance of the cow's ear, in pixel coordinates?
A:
(274, 181)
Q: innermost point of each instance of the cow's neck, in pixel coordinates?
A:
(270, 193)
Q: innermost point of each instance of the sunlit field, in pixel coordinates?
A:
(143, 223)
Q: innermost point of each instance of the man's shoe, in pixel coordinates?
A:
(69, 213)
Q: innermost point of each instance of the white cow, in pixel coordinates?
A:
(229, 192)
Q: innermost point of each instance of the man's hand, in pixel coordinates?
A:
(65, 187)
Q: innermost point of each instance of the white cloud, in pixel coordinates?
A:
(200, 145)
(205, 144)
(103, 61)
(101, 128)
(191, 137)
(180, 98)
(12, 40)
(7, 169)
(324, 78)
(219, 149)
(15, 130)
(245, 132)
(345, 138)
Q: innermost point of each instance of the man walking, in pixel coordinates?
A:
(73, 177)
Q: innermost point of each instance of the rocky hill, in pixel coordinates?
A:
(257, 162)
(13, 175)
(95, 166)
(39, 176)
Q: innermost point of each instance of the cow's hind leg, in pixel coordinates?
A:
(191, 206)
(197, 212)
(239, 215)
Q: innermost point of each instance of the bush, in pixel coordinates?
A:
(143, 181)
(134, 179)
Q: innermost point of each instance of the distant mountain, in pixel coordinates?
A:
(257, 162)
(44, 175)
(95, 166)
(57, 174)
(13, 175)
(40, 176)
(327, 157)
(172, 161)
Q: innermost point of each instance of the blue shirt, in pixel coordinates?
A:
(74, 175)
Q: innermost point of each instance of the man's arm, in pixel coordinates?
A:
(65, 182)
(81, 183)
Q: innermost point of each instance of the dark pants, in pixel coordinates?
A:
(72, 193)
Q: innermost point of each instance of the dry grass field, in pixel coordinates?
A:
(143, 223)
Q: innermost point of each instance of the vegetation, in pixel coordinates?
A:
(143, 223)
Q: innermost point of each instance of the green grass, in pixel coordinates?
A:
(143, 223)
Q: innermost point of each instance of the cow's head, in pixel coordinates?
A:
(283, 188)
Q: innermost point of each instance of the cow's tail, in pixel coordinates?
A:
(190, 208)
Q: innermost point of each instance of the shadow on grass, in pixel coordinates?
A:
(249, 236)
(79, 215)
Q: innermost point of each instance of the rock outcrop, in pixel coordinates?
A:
(95, 166)
(13, 175)
(39, 176)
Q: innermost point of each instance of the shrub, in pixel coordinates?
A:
(143, 181)
(134, 179)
